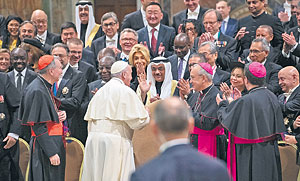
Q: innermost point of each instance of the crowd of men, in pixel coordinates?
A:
(82, 83)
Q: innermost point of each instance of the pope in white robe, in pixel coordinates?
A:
(113, 114)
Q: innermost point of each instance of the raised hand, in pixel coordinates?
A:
(241, 33)
(184, 87)
(161, 49)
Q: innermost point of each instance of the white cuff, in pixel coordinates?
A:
(13, 135)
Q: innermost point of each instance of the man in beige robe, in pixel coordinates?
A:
(112, 115)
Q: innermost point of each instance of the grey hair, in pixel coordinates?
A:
(50, 66)
(172, 118)
(108, 15)
(212, 46)
(201, 57)
(268, 28)
(61, 45)
(203, 72)
(264, 44)
(129, 30)
(218, 14)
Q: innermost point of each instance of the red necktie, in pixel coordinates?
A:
(153, 41)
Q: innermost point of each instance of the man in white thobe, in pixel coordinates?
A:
(113, 114)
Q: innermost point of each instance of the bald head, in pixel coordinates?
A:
(288, 78)
(40, 19)
(172, 116)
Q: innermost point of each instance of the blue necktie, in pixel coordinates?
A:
(54, 88)
(223, 27)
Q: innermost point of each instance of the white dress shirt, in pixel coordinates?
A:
(155, 33)
(193, 14)
(22, 77)
(112, 41)
(185, 59)
(144, 16)
(42, 37)
(174, 142)
(225, 23)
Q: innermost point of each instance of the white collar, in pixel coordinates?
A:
(23, 72)
(226, 19)
(115, 37)
(174, 142)
(75, 65)
(156, 27)
(64, 71)
(216, 36)
(42, 36)
(143, 12)
(186, 57)
(286, 4)
(264, 62)
(197, 10)
(123, 55)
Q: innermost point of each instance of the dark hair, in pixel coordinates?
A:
(252, 79)
(60, 45)
(30, 22)
(6, 35)
(154, 3)
(67, 25)
(194, 22)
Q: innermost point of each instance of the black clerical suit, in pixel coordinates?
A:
(135, 21)
(38, 109)
(179, 17)
(9, 102)
(70, 92)
(252, 23)
(226, 47)
(166, 36)
(204, 108)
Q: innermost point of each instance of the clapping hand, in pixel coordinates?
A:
(184, 88)
(241, 33)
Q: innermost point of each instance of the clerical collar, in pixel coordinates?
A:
(206, 89)
(172, 143)
(48, 85)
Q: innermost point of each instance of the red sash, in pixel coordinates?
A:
(207, 141)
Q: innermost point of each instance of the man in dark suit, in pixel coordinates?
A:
(264, 31)
(290, 99)
(226, 45)
(259, 51)
(178, 160)
(110, 24)
(21, 77)
(229, 25)
(157, 37)
(40, 19)
(9, 130)
(247, 26)
(193, 11)
(137, 20)
(69, 90)
(179, 61)
(209, 50)
(68, 31)
(291, 49)
(76, 61)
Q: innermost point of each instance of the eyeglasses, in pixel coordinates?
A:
(128, 39)
(15, 58)
(209, 23)
(256, 51)
(109, 24)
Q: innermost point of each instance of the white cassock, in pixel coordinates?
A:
(112, 115)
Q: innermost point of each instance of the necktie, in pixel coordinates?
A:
(54, 88)
(153, 41)
(180, 67)
(223, 27)
(19, 81)
(125, 59)
(110, 42)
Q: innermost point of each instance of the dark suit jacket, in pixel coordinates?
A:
(221, 76)
(174, 68)
(231, 27)
(166, 36)
(272, 57)
(291, 61)
(50, 38)
(88, 70)
(179, 17)
(70, 92)
(252, 23)
(99, 44)
(29, 77)
(272, 81)
(135, 21)
(181, 162)
(291, 107)
(226, 50)
(88, 57)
